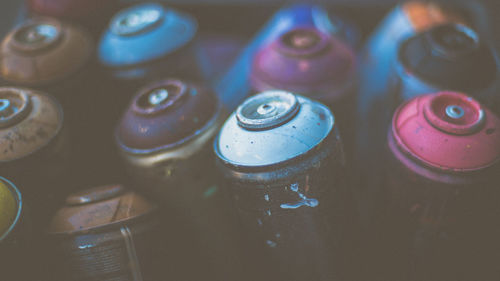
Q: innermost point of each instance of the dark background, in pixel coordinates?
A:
(244, 17)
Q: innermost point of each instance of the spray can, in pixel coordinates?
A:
(34, 145)
(306, 61)
(234, 86)
(14, 233)
(282, 157)
(440, 187)
(147, 42)
(106, 233)
(165, 138)
(404, 21)
(446, 57)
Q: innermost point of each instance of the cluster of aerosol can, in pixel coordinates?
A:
(122, 157)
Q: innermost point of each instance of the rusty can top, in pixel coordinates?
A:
(423, 15)
(448, 131)
(10, 207)
(165, 114)
(44, 50)
(29, 120)
(69, 9)
(99, 207)
(305, 61)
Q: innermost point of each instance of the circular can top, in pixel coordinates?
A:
(165, 114)
(69, 9)
(44, 50)
(273, 127)
(450, 56)
(423, 15)
(10, 207)
(448, 131)
(29, 120)
(305, 61)
(99, 207)
(145, 32)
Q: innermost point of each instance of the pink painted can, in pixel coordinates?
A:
(443, 169)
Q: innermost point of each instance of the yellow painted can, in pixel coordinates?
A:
(8, 207)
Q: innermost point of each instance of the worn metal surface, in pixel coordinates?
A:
(286, 182)
(34, 120)
(105, 233)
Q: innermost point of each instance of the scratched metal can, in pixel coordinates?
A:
(440, 179)
(91, 13)
(282, 157)
(14, 233)
(306, 61)
(165, 138)
(34, 144)
(234, 86)
(106, 233)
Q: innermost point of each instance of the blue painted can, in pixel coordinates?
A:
(149, 41)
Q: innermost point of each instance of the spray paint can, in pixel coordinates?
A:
(440, 187)
(282, 157)
(234, 86)
(14, 233)
(446, 57)
(47, 54)
(106, 233)
(306, 61)
(165, 138)
(379, 57)
(34, 145)
(404, 21)
(55, 57)
(91, 13)
(148, 42)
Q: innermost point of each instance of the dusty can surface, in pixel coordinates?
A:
(441, 187)
(34, 143)
(306, 61)
(165, 139)
(106, 233)
(234, 86)
(14, 233)
(282, 157)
